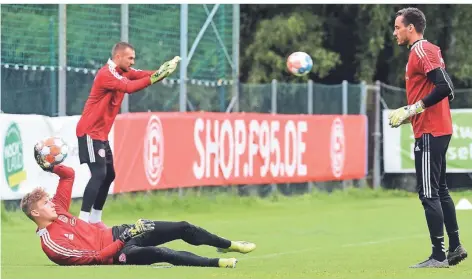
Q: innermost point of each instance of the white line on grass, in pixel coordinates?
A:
(273, 255)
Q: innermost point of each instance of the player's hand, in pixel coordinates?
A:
(40, 161)
(402, 115)
(165, 70)
(141, 226)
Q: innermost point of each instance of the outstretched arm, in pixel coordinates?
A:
(62, 198)
(134, 74)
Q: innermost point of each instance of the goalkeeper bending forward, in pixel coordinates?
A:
(67, 240)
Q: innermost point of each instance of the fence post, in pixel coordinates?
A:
(362, 109)
(183, 55)
(1, 111)
(377, 134)
(310, 111)
(273, 98)
(274, 111)
(344, 100)
(236, 35)
(62, 69)
(125, 38)
(345, 89)
(183, 64)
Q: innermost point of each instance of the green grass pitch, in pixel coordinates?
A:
(350, 234)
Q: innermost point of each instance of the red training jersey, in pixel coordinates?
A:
(436, 120)
(71, 241)
(106, 96)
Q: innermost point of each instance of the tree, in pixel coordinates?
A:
(278, 37)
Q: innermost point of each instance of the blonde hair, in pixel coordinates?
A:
(30, 199)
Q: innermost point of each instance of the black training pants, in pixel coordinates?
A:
(142, 250)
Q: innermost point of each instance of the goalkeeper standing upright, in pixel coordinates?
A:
(429, 90)
(112, 82)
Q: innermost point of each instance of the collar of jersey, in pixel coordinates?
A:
(41, 231)
(412, 45)
(113, 65)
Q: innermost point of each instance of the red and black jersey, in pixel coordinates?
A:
(106, 96)
(71, 241)
(436, 120)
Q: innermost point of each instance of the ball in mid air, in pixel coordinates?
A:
(299, 63)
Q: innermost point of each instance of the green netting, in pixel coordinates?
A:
(154, 30)
(327, 99)
(91, 32)
(209, 60)
(292, 98)
(29, 34)
(354, 98)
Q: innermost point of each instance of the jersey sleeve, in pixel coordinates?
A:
(429, 58)
(63, 252)
(134, 74)
(62, 198)
(113, 81)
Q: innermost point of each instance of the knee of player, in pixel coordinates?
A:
(110, 175)
(98, 172)
(444, 193)
(186, 226)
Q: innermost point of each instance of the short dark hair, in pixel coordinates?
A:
(120, 46)
(413, 16)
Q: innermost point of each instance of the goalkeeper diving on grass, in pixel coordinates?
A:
(68, 240)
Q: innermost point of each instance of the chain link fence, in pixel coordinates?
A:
(30, 49)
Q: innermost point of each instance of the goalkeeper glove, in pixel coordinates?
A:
(402, 115)
(46, 166)
(165, 70)
(141, 226)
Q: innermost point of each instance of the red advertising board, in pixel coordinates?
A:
(167, 150)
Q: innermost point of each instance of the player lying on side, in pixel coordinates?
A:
(67, 240)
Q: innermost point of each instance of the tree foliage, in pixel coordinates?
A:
(348, 42)
(277, 37)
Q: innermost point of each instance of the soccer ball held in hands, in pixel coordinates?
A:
(50, 152)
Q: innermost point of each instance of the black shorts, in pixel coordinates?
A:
(94, 151)
(430, 164)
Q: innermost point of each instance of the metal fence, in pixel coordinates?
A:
(49, 53)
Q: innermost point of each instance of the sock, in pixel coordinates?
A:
(84, 216)
(95, 216)
(450, 219)
(439, 251)
(453, 240)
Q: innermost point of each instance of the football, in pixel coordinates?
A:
(53, 150)
(299, 63)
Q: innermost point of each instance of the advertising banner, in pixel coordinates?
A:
(398, 145)
(18, 135)
(167, 150)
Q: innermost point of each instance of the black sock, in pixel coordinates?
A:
(438, 248)
(98, 173)
(453, 240)
(450, 219)
(435, 220)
